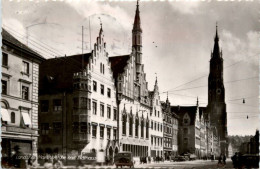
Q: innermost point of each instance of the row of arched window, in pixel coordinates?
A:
(131, 121)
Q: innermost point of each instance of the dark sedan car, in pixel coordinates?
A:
(124, 158)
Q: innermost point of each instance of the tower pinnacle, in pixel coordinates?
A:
(216, 51)
(137, 22)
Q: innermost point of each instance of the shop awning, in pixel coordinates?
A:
(26, 118)
(5, 115)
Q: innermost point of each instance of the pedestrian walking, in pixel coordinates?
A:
(235, 160)
(18, 159)
(220, 160)
(224, 159)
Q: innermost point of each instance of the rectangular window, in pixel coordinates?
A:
(4, 86)
(102, 110)
(108, 112)
(83, 127)
(108, 92)
(108, 133)
(83, 102)
(25, 92)
(95, 86)
(101, 132)
(94, 105)
(151, 140)
(25, 67)
(57, 105)
(5, 59)
(114, 114)
(89, 104)
(102, 89)
(152, 125)
(45, 128)
(44, 105)
(94, 131)
(114, 133)
(56, 127)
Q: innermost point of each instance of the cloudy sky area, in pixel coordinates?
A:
(182, 31)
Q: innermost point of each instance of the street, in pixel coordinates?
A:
(198, 164)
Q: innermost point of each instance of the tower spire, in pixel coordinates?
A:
(216, 51)
(137, 22)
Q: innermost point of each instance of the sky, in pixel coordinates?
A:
(178, 37)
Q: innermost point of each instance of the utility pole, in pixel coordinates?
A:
(89, 34)
(82, 47)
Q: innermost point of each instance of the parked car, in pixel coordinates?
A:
(180, 158)
(250, 161)
(124, 158)
(192, 157)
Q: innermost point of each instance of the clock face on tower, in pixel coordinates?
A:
(218, 91)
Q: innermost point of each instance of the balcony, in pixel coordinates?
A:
(18, 130)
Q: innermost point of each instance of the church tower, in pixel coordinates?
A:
(137, 40)
(216, 95)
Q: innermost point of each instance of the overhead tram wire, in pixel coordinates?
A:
(207, 74)
(36, 40)
(39, 50)
(207, 85)
(38, 43)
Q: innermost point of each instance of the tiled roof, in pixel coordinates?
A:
(56, 74)
(181, 110)
(118, 63)
(8, 38)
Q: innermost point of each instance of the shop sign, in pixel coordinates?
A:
(20, 130)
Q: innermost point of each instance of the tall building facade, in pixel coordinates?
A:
(216, 95)
(167, 129)
(156, 126)
(133, 103)
(78, 105)
(19, 97)
(175, 131)
(195, 134)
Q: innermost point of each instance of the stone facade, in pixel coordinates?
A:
(156, 125)
(19, 98)
(88, 108)
(167, 129)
